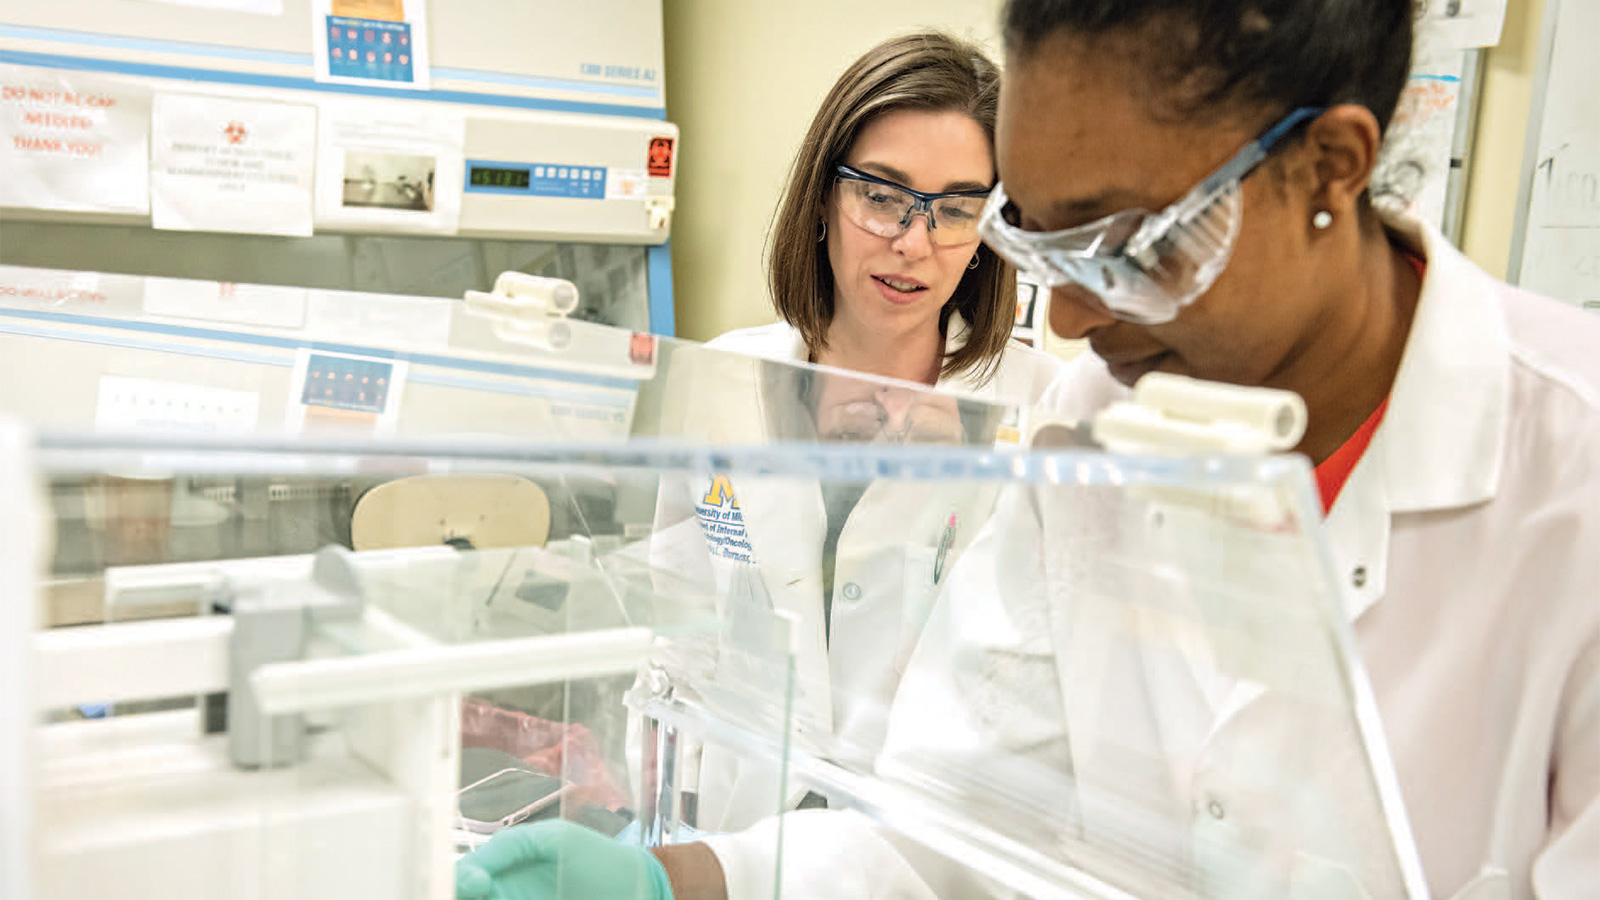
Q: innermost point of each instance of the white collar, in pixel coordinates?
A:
(1442, 438)
(1443, 435)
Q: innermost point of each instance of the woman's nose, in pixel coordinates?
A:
(915, 242)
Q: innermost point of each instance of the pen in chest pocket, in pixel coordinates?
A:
(946, 540)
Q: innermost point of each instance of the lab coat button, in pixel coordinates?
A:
(852, 591)
(1358, 576)
(1215, 809)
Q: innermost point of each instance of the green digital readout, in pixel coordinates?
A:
(498, 178)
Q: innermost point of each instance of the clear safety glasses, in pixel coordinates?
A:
(892, 417)
(886, 209)
(1137, 265)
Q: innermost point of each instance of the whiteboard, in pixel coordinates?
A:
(1556, 243)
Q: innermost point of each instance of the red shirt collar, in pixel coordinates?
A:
(1335, 470)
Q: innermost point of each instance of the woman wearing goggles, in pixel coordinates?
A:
(876, 264)
(876, 268)
(886, 208)
(1137, 265)
(1453, 422)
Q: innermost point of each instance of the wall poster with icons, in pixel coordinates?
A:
(382, 43)
(340, 392)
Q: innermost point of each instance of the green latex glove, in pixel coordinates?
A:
(558, 860)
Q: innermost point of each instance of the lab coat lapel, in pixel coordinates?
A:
(1451, 397)
(1442, 438)
(784, 519)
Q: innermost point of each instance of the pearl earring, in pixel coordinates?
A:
(1322, 219)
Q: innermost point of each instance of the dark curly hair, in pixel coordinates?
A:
(1254, 58)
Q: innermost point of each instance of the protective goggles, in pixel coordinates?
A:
(1137, 265)
(869, 422)
(886, 209)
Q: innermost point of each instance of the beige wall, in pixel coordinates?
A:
(743, 80)
(1491, 200)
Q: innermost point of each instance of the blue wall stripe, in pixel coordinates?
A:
(519, 390)
(557, 84)
(262, 340)
(285, 82)
(658, 268)
(250, 54)
(76, 337)
(121, 42)
(287, 362)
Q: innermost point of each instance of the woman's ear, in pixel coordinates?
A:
(1343, 143)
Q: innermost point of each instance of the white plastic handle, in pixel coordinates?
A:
(557, 295)
(1280, 415)
(520, 297)
(549, 334)
(1173, 414)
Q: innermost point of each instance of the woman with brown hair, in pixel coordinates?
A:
(876, 268)
(876, 265)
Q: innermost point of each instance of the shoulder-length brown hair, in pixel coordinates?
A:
(926, 71)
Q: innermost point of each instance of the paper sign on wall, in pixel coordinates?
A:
(1464, 24)
(390, 167)
(141, 403)
(259, 305)
(371, 42)
(341, 392)
(231, 165)
(258, 7)
(1415, 164)
(387, 319)
(1561, 247)
(71, 291)
(73, 142)
(627, 184)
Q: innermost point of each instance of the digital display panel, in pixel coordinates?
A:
(498, 178)
(536, 179)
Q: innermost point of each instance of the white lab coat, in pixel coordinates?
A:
(1469, 533)
(884, 584)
